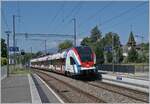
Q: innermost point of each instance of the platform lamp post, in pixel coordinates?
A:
(75, 36)
(113, 52)
(7, 33)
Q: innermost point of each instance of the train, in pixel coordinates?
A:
(75, 61)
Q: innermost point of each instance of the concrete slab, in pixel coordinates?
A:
(34, 93)
(15, 89)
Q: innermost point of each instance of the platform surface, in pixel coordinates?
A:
(26, 88)
(137, 75)
(15, 89)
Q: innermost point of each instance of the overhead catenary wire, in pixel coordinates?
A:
(95, 14)
(5, 20)
(76, 10)
(57, 13)
(40, 35)
(129, 19)
(121, 14)
(19, 15)
(73, 10)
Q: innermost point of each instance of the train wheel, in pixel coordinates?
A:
(65, 73)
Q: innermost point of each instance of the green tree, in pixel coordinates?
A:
(86, 41)
(109, 57)
(94, 41)
(3, 61)
(39, 53)
(113, 40)
(99, 54)
(64, 45)
(3, 48)
(143, 54)
(132, 55)
(119, 55)
(146, 46)
(95, 34)
(146, 52)
(26, 57)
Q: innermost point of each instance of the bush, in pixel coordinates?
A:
(3, 61)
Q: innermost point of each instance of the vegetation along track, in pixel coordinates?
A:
(69, 93)
(134, 94)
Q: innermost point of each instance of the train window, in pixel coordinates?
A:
(85, 53)
(72, 62)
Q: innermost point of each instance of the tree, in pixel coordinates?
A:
(39, 53)
(146, 46)
(26, 57)
(99, 54)
(94, 41)
(109, 57)
(110, 38)
(119, 55)
(132, 55)
(95, 34)
(143, 54)
(3, 48)
(113, 40)
(86, 41)
(64, 45)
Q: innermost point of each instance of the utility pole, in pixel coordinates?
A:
(14, 37)
(7, 32)
(31, 51)
(14, 44)
(45, 46)
(74, 19)
(113, 51)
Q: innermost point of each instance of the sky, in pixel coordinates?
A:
(55, 17)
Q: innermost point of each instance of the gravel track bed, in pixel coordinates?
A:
(120, 90)
(69, 95)
(105, 95)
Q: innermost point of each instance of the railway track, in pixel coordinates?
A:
(76, 96)
(134, 94)
(109, 92)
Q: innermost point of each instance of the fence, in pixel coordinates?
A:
(3, 72)
(124, 68)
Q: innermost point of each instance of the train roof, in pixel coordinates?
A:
(55, 56)
(49, 57)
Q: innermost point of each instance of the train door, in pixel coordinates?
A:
(69, 65)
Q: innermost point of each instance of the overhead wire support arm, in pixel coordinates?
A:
(48, 35)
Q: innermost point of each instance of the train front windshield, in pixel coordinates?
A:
(85, 53)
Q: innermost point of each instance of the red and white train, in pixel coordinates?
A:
(74, 61)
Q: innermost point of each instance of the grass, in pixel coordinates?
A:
(20, 71)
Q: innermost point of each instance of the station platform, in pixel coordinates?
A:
(137, 75)
(137, 81)
(26, 89)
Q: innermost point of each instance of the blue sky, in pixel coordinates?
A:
(56, 17)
